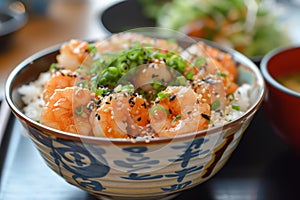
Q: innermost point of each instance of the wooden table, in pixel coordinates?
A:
(62, 21)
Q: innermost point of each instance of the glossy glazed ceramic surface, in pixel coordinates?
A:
(282, 105)
(125, 169)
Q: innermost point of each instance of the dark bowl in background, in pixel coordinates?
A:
(12, 18)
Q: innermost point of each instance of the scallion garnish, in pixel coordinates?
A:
(79, 110)
(215, 105)
(189, 75)
(158, 107)
(54, 66)
(161, 96)
(236, 107)
(221, 74)
(177, 118)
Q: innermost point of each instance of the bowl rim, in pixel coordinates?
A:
(17, 20)
(267, 76)
(92, 139)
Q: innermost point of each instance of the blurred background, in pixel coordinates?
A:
(252, 27)
(29, 26)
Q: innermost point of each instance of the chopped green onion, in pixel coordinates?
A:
(100, 91)
(236, 107)
(177, 118)
(54, 66)
(200, 61)
(189, 75)
(92, 49)
(79, 110)
(221, 74)
(133, 55)
(230, 96)
(163, 95)
(125, 88)
(215, 105)
(157, 85)
(123, 67)
(180, 80)
(158, 107)
(113, 71)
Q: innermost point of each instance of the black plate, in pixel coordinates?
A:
(261, 168)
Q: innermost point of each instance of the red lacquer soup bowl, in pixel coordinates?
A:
(282, 104)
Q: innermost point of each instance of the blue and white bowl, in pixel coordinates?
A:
(159, 168)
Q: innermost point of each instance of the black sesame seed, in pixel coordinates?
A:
(171, 98)
(130, 99)
(205, 116)
(144, 105)
(139, 119)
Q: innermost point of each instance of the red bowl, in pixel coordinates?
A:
(281, 104)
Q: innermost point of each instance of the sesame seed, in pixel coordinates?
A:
(133, 127)
(144, 105)
(172, 97)
(205, 116)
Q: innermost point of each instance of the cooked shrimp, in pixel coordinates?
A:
(225, 59)
(146, 75)
(59, 80)
(66, 110)
(214, 76)
(74, 54)
(120, 115)
(214, 60)
(178, 111)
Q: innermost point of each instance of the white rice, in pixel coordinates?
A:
(32, 96)
(241, 99)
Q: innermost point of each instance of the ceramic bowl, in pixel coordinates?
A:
(282, 105)
(159, 168)
(12, 18)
